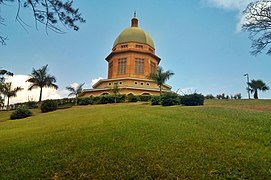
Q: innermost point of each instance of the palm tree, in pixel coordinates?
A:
(161, 77)
(75, 91)
(41, 79)
(256, 85)
(115, 89)
(9, 92)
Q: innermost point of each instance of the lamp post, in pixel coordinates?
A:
(247, 85)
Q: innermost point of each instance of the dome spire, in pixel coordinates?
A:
(134, 21)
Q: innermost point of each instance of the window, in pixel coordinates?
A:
(142, 83)
(153, 67)
(135, 82)
(124, 46)
(151, 50)
(148, 84)
(120, 82)
(110, 73)
(139, 66)
(109, 84)
(139, 46)
(122, 66)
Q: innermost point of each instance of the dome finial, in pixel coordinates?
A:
(134, 22)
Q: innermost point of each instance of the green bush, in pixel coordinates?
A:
(155, 100)
(209, 96)
(121, 98)
(21, 112)
(85, 101)
(48, 105)
(192, 100)
(144, 98)
(169, 99)
(96, 100)
(132, 98)
(31, 104)
(106, 99)
(66, 101)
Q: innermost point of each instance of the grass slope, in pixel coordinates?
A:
(223, 139)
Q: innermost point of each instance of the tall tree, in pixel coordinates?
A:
(3, 74)
(75, 91)
(10, 92)
(160, 77)
(51, 13)
(257, 21)
(39, 78)
(257, 85)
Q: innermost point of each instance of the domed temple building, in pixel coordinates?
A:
(130, 63)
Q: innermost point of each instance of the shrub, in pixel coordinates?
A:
(32, 104)
(65, 101)
(144, 98)
(169, 99)
(85, 101)
(48, 105)
(192, 100)
(105, 99)
(96, 100)
(155, 100)
(132, 98)
(209, 96)
(121, 98)
(21, 112)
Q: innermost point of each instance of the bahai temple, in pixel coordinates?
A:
(130, 63)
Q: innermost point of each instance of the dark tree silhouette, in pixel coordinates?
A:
(4, 73)
(75, 91)
(160, 77)
(51, 13)
(257, 21)
(41, 79)
(257, 85)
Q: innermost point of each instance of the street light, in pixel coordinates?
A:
(247, 85)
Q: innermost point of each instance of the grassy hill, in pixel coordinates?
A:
(223, 139)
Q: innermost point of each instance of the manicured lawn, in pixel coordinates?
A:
(223, 139)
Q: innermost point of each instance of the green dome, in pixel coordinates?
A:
(134, 34)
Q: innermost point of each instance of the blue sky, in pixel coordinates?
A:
(198, 40)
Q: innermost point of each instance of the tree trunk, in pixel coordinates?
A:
(256, 94)
(40, 95)
(160, 87)
(8, 104)
(76, 99)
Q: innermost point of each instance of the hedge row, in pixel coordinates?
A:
(166, 99)
(170, 99)
(107, 99)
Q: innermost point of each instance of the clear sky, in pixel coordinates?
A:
(197, 39)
